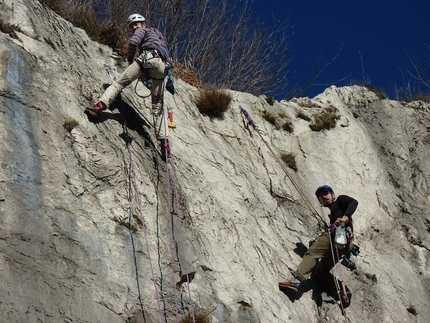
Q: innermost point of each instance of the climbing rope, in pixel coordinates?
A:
(320, 220)
(341, 290)
(113, 77)
(260, 132)
(170, 161)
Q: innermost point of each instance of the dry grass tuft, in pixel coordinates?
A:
(303, 116)
(199, 318)
(288, 126)
(98, 29)
(324, 121)
(187, 73)
(8, 28)
(379, 93)
(411, 309)
(421, 96)
(290, 160)
(269, 117)
(214, 102)
(69, 125)
(270, 100)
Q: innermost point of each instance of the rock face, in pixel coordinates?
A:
(95, 228)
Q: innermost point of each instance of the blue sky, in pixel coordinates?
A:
(375, 36)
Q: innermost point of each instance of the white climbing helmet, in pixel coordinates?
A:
(135, 18)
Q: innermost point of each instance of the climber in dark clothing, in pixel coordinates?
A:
(319, 258)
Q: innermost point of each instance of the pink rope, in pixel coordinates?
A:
(179, 216)
(170, 220)
(111, 73)
(139, 203)
(178, 213)
(142, 218)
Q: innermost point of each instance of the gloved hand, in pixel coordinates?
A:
(331, 227)
(343, 219)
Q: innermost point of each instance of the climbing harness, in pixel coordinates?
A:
(170, 176)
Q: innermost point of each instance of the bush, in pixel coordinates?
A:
(411, 309)
(379, 93)
(7, 28)
(199, 316)
(187, 73)
(288, 126)
(214, 103)
(290, 160)
(96, 25)
(420, 96)
(70, 124)
(325, 121)
(303, 116)
(270, 100)
(269, 117)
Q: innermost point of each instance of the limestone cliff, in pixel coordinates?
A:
(90, 216)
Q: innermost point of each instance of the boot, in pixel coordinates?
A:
(290, 286)
(165, 149)
(96, 110)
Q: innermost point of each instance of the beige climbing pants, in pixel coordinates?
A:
(319, 260)
(148, 59)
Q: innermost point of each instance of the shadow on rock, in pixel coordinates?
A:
(129, 118)
(320, 294)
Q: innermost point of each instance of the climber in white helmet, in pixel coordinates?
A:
(151, 65)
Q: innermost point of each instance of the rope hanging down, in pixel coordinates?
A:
(113, 77)
(260, 132)
(341, 288)
(111, 73)
(179, 218)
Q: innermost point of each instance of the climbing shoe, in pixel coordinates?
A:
(345, 294)
(348, 263)
(290, 286)
(96, 109)
(165, 149)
